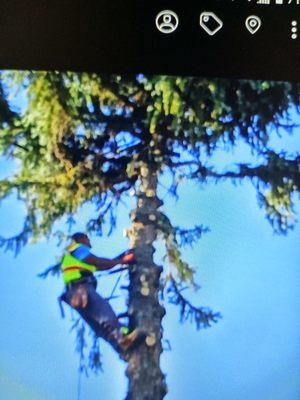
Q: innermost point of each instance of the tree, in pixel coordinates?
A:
(90, 138)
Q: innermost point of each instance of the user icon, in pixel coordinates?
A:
(167, 21)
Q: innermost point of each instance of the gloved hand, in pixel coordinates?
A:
(129, 258)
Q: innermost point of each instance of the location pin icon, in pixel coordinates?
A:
(253, 24)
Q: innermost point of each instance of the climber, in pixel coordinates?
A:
(78, 268)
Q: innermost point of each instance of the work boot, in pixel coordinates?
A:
(129, 341)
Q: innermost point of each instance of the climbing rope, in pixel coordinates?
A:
(116, 285)
(79, 384)
(121, 271)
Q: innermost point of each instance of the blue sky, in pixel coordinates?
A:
(246, 272)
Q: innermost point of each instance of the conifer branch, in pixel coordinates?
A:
(202, 317)
(17, 242)
(53, 270)
(188, 237)
(174, 239)
(91, 360)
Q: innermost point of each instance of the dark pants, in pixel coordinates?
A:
(97, 312)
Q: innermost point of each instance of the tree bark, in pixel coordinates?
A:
(146, 380)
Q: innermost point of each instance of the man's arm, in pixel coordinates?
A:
(102, 264)
(83, 253)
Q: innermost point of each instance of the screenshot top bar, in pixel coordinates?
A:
(257, 39)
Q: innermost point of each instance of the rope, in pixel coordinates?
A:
(79, 384)
(115, 287)
(116, 271)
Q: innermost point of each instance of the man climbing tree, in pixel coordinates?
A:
(88, 138)
(78, 268)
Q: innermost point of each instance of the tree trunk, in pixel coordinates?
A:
(146, 380)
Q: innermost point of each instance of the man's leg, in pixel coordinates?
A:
(98, 313)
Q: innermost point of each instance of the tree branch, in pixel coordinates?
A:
(201, 316)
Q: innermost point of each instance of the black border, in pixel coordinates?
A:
(120, 36)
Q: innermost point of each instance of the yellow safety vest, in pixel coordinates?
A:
(72, 268)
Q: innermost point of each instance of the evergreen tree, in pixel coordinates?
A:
(90, 138)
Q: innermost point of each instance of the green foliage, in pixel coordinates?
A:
(82, 137)
(174, 238)
(279, 206)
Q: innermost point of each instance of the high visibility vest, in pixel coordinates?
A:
(72, 268)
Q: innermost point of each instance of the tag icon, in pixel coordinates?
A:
(210, 22)
(253, 24)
